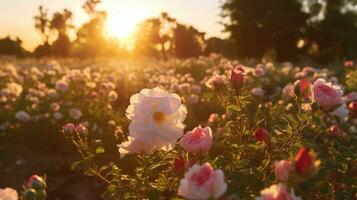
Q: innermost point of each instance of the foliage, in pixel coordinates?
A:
(37, 101)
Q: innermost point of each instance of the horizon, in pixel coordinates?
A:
(195, 13)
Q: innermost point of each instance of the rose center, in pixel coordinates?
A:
(159, 116)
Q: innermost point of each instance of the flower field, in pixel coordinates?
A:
(203, 128)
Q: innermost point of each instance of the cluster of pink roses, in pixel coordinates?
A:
(290, 172)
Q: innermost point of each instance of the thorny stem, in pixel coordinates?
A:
(295, 134)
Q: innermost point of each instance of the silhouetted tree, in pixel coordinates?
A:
(12, 47)
(332, 29)
(91, 40)
(60, 24)
(258, 26)
(42, 24)
(187, 41)
(154, 35)
(224, 47)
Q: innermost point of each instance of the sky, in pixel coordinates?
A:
(16, 16)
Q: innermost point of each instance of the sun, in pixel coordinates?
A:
(121, 26)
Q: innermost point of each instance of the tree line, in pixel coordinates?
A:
(321, 30)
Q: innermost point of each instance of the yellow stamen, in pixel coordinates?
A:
(159, 116)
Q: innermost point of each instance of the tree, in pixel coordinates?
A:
(12, 47)
(224, 47)
(60, 24)
(42, 24)
(258, 26)
(332, 30)
(187, 41)
(154, 35)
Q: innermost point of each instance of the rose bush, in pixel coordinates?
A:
(197, 129)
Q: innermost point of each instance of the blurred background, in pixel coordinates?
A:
(320, 31)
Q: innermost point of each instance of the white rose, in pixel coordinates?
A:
(157, 117)
(134, 146)
(8, 194)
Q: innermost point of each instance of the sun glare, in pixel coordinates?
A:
(122, 27)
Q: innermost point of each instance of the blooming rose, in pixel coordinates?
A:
(202, 182)
(75, 113)
(288, 91)
(61, 85)
(8, 194)
(282, 169)
(156, 117)
(197, 140)
(277, 192)
(258, 91)
(216, 82)
(135, 146)
(22, 116)
(326, 95)
(113, 96)
(259, 71)
(237, 77)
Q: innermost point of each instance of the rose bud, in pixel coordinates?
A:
(327, 96)
(282, 169)
(305, 162)
(260, 134)
(202, 182)
(302, 88)
(69, 128)
(198, 140)
(36, 182)
(216, 82)
(335, 129)
(179, 164)
(353, 107)
(237, 77)
(30, 194)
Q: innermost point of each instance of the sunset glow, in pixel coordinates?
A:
(121, 25)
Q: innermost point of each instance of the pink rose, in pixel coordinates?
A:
(237, 77)
(282, 169)
(288, 91)
(197, 140)
(326, 95)
(277, 192)
(216, 82)
(259, 71)
(202, 182)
